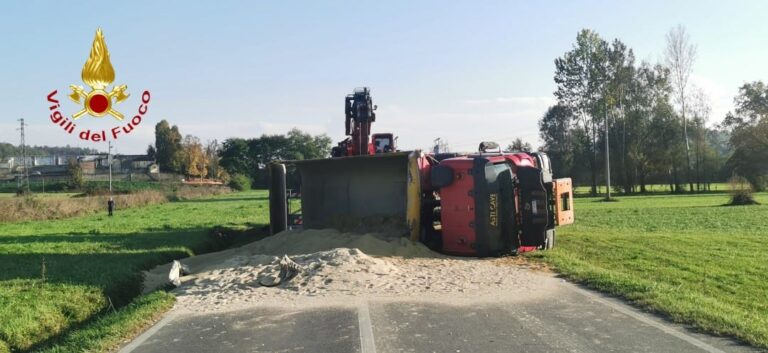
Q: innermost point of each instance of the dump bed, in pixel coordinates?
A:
(361, 193)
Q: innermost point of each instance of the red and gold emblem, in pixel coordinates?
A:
(98, 73)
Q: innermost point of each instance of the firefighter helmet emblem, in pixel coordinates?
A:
(98, 74)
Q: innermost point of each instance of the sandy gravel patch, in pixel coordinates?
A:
(329, 264)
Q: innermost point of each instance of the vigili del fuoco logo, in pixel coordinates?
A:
(99, 101)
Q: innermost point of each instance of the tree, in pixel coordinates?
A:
(8, 150)
(661, 145)
(680, 55)
(518, 145)
(302, 145)
(75, 174)
(620, 74)
(699, 111)
(580, 75)
(151, 152)
(647, 114)
(251, 156)
(212, 156)
(749, 134)
(168, 147)
(235, 156)
(194, 159)
(607, 102)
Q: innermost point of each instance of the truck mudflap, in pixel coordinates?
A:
(563, 190)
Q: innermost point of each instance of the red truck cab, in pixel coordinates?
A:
(491, 204)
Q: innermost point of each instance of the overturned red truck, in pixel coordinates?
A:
(486, 203)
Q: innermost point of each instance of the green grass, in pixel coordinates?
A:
(108, 331)
(57, 278)
(685, 256)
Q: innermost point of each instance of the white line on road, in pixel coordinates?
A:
(367, 344)
(640, 317)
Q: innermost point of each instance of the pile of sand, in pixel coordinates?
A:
(338, 270)
(312, 240)
(329, 263)
(293, 242)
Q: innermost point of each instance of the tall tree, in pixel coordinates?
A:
(699, 111)
(619, 76)
(749, 134)
(646, 111)
(75, 174)
(194, 160)
(168, 147)
(680, 55)
(212, 156)
(580, 75)
(555, 129)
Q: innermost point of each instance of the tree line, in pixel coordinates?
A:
(241, 160)
(185, 155)
(250, 157)
(649, 120)
(8, 150)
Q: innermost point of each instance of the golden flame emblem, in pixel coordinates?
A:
(98, 73)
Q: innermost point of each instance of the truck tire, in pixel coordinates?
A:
(550, 239)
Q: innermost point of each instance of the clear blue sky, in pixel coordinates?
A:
(464, 71)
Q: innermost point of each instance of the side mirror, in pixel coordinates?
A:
(375, 107)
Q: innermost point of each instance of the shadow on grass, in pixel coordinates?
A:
(112, 262)
(613, 199)
(230, 199)
(107, 259)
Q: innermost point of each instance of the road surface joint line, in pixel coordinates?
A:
(640, 317)
(135, 343)
(367, 344)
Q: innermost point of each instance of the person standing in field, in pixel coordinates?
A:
(110, 206)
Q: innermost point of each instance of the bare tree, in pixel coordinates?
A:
(680, 55)
(212, 156)
(699, 110)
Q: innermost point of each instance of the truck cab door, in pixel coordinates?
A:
(533, 206)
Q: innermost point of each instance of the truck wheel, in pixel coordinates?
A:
(550, 240)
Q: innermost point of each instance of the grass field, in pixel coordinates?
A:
(685, 256)
(59, 279)
(652, 189)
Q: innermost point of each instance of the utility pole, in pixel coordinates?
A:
(24, 154)
(607, 161)
(109, 161)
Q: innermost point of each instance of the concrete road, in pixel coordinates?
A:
(571, 319)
